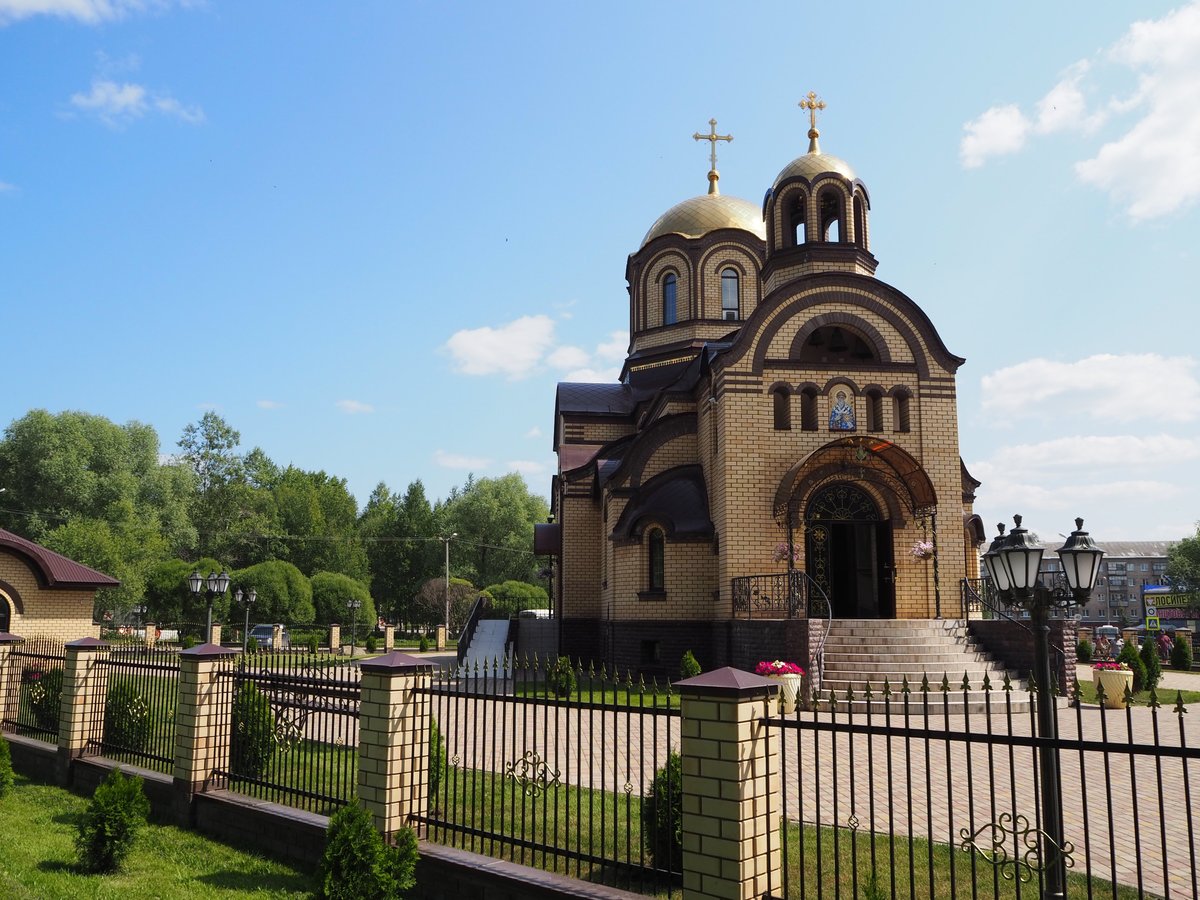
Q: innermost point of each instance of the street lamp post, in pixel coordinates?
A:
(215, 586)
(446, 540)
(1013, 563)
(249, 598)
(353, 606)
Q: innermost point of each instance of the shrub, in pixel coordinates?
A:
(1152, 663)
(187, 642)
(313, 643)
(126, 716)
(560, 677)
(423, 644)
(437, 761)
(688, 667)
(110, 823)
(370, 643)
(662, 815)
(6, 769)
(1181, 653)
(1129, 656)
(253, 732)
(45, 698)
(1083, 651)
(358, 864)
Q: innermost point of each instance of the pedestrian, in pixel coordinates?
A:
(1118, 647)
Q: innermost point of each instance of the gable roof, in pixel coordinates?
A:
(53, 569)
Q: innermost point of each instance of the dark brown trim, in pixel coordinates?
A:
(14, 595)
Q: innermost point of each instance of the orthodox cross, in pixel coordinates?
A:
(812, 103)
(712, 137)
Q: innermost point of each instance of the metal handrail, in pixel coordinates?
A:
(818, 655)
(468, 633)
(788, 595)
(984, 600)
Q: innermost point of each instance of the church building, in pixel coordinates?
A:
(781, 449)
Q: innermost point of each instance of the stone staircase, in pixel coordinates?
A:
(859, 652)
(489, 644)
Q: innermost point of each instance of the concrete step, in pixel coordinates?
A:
(937, 661)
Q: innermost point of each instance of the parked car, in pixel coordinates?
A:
(262, 634)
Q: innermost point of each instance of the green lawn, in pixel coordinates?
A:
(38, 859)
(605, 692)
(1166, 698)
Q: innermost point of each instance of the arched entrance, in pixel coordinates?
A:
(848, 552)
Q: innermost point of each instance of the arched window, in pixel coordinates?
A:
(730, 305)
(860, 223)
(874, 410)
(669, 292)
(795, 224)
(5, 613)
(808, 409)
(900, 413)
(656, 543)
(782, 403)
(831, 216)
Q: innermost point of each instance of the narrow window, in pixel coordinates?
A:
(808, 410)
(860, 223)
(831, 216)
(783, 409)
(729, 295)
(900, 421)
(669, 293)
(796, 221)
(874, 411)
(657, 546)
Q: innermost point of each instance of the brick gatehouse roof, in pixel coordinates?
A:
(53, 569)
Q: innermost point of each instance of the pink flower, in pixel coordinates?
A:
(1111, 667)
(777, 667)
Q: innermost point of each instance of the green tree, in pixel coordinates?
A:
(284, 594)
(230, 513)
(399, 536)
(1183, 562)
(429, 606)
(318, 520)
(331, 590)
(494, 519)
(510, 597)
(169, 599)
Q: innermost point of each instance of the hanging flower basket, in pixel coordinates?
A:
(922, 550)
(781, 553)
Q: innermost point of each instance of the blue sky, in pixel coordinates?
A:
(374, 235)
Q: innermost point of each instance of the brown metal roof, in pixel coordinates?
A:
(53, 569)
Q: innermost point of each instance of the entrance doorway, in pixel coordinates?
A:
(849, 552)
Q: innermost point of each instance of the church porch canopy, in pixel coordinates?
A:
(855, 457)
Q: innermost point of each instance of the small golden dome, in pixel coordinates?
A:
(709, 212)
(812, 164)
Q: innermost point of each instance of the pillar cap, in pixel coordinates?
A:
(728, 682)
(205, 651)
(396, 662)
(8, 638)
(88, 643)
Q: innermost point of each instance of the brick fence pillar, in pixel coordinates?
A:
(7, 678)
(150, 633)
(389, 637)
(83, 694)
(202, 722)
(216, 634)
(393, 739)
(732, 807)
(335, 638)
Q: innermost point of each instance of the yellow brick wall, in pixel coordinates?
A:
(61, 614)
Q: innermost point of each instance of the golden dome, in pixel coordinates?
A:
(709, 212)
(812, 164)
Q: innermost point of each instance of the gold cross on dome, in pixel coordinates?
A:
(712, 137)
(812, 103)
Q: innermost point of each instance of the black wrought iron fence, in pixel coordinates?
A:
(895, 795)
(34, 688)
(293, 731)
(549, 765)
(780, 595)
(137, 687)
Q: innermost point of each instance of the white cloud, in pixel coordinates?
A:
(593, 376)
(526, 467)
(117, 104)
(1153, 166)
(615, 348)
(1124, 451)
(5, 186)
(269, 404)
(534, 432)
(353, 407)
(460, 461)
(514, 350)
(568, 357)
(998, 131)
(90, 12)
(1145, 387)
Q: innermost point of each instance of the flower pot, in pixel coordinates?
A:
(1114, 682)
(789, 691)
